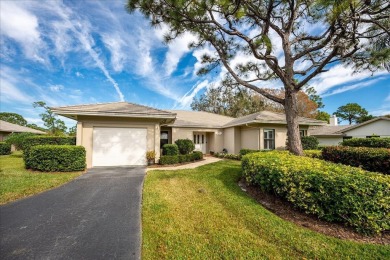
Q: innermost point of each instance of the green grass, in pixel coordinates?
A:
(203, 214)
(16, 182)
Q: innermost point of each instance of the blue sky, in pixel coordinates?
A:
(82, 52)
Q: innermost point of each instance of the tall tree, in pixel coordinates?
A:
(322, 115)
(253, 28)
(351, 112)
(13, 118)
(54, 125)
(234, 102)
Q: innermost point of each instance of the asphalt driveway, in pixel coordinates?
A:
(96, 216)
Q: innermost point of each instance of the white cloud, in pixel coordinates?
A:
(339, 75)
(186, 100)
(387, 99)
(79, 75)
(56, 88)
(176, 50)
(356, 86)
(21, 25)
(116, 46)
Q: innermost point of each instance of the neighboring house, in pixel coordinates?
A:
(334, 134)
(121, 133)
(9, 128)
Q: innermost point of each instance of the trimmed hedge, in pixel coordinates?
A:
(48, 140)
(246, 151)
(375, 142)
(175, 159)
(18, 139)
(333, 192)
(56, 158)
(313, 153)
(5, 148)
(170, 149)
(228, 156)
(370, 159)
(309, 142)
(185, 146)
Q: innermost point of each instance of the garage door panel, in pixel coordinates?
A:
(119, 146)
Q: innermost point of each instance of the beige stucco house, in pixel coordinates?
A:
(334, 134)
(121, 133)
(7, 128)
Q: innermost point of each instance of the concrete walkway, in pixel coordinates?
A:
(207, 160)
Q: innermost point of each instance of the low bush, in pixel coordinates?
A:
(246, 151)
(228, 156)
(313, 153)
(374, 142)
(56, 158)
(18, 139)
(182, 158)
(5, 148)
(370, 159)
(48, 140)
(309, 142)
(169, 159)
(333, 192)
(170, 149)
(185, 146)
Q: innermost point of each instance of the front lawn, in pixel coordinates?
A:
(202, 214)
(16, 182)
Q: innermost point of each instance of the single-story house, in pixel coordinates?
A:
(7, 128)
(121, 133)
(334, 134)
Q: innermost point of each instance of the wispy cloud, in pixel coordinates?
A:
(355, 86)
(56, 88)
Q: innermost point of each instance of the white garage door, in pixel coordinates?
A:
(119, 146)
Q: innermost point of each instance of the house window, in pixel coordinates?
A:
(303, 133)
(163, 138)
(269, 139)
(347, 137)
(371, 136)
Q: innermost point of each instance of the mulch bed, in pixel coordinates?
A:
(286, 211)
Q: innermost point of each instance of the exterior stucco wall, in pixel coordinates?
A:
(85, 127)
(214, 137)
(280, 136)
(328, 141)
(250, 138)
(380, 127)
(232, 139)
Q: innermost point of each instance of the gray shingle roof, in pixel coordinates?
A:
(13, 128)
(186, 118)
(329, 130)
(268, 117)
(350, 127)
(119, 109)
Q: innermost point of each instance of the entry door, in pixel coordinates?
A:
(200, 142)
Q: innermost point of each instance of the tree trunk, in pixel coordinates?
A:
(291, 110)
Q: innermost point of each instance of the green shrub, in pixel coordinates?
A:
(374, 142)
(170, 149)
(228, 156)
(18, 139)
(196, 156)
(309, 142)
(313, 153)
(48, 140)
(185, 146)
(182, 158)
(333, 192)
(246, 151)
(5, 148)
(53, 158)
(370, 159)
(169, 159)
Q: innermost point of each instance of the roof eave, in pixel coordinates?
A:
(73, 114)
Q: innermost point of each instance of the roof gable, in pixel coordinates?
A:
(365, 123)
(186, 118)
(116, 109)
(14, 128)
